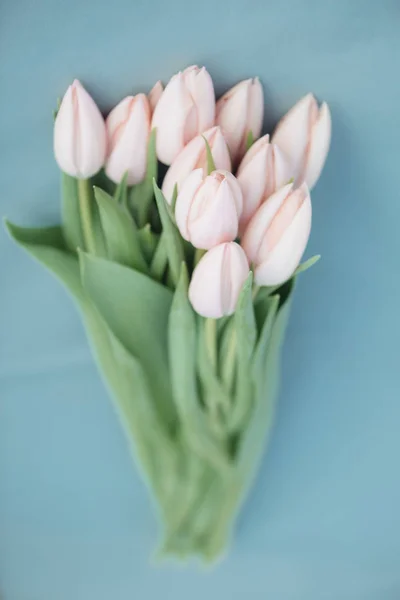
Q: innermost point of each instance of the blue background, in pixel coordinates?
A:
(323, 522)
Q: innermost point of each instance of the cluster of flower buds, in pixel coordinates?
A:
(259, 219)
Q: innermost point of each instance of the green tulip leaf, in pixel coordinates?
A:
(136, 310)
(121, 233)
(210, 159)
(148, 242)
(307, 264)
(48, 246)
(121, 192)
(172, 238)
(142, 194)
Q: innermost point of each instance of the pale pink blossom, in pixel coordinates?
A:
(277, 235)
(208, 208)
(218, 280)
(304, 136)
(79, 134)
(185, 109)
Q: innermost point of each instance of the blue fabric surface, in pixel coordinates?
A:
(323, 521)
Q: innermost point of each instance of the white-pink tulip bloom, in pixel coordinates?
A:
(79, 134)
(239, 111)
(263, 170)
(304, 136)
(277, 235)
(185, 109)
(128, 130)
(194, 156)
(155, 94)
(208, 208)
(218, 279)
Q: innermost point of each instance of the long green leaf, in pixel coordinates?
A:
(142, 194)
(172, 238)
(136, 310)
(47, 245)
(120, 232)
(148, 242)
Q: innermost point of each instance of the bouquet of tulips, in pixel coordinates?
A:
(184, 289)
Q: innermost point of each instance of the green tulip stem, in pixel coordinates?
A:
(210, 326)
(229, 361)
(85, 200)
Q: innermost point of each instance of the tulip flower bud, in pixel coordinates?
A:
(128, 130)
(217, 280)
(185, 109)
(277, 235)
(240, 111)
(304, 136)
(194, 156)
(261, 173)
(207, 209)
(155, 94)
(79, 134)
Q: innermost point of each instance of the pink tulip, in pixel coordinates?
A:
(79, 134)
(304, 136)
(128, 130)
(277, 235)
(185, 109)
(194, 156)
(155, 94)
(240, 111)
(261, 173)
(217, 280)
(208, 208)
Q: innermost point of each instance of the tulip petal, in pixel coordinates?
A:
(286, 255)
(182, 166)
(155, 94)
(216, 220)
(231, 116)
(256, 229)
(219, 149)
(116, 119)
(64, 136)
(90, 143)
(253, 180)
(170, 117)
(235, 269)
(129, 146)
(194, 156)
(255, 110)
(281, 168)
(235, 188)
(205, 285)
(185, 199)
(293, 133)
(319, 146)
(201, 88)
(252, 151)
(217, 280)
